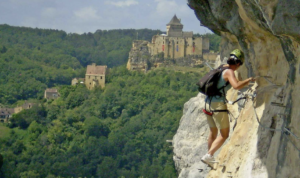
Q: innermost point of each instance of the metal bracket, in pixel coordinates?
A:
(277, 104)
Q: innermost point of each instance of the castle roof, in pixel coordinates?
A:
(94, 69)
(174, 21)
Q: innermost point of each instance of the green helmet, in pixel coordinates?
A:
(239, 54)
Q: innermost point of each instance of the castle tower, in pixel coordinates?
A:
(174, 27)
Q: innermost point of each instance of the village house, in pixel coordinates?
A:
(95, 76)
(6, 113)
(77, 81)
(26, 105)
(51, 93)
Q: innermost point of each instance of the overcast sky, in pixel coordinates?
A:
(80, 16)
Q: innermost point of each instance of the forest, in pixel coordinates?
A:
(118, 131)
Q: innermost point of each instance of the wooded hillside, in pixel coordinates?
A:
(118, 131)
(33, 59)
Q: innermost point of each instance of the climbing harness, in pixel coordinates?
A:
(207, 113)
(246, 96)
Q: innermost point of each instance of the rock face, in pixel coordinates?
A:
(138, 56)
(265, 142)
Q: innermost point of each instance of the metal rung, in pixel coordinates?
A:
(281, 115)
(277, 104)
(265, 76)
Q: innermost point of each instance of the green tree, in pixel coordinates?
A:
(108, 168)
(95, 127)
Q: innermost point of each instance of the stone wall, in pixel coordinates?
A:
(176, 47)
(268, 32)
(145, 55)
(139, 56)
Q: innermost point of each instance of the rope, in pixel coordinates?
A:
(292, 143)
(265, 127)
(284, 130)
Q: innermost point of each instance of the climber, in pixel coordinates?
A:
(216, 109)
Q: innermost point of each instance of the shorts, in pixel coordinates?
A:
(218, 119)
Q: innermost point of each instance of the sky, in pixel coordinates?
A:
(83, 16)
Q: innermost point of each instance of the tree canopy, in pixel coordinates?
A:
(33, 59)
(117, 131)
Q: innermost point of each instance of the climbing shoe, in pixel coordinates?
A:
(209, 160)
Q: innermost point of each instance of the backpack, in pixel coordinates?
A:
(207, 85)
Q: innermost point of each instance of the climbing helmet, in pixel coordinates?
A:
(238, 56)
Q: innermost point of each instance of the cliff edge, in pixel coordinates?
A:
(265, 141)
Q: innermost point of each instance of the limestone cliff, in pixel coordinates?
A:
(265, 142)
(138, 56)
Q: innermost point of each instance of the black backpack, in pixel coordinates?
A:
(207, 85)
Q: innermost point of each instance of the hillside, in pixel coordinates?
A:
(33, 59)
(118, 131)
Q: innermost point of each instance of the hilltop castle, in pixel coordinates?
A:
(176, 46)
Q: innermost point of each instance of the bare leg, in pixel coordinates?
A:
(212, 136)
(217, 143)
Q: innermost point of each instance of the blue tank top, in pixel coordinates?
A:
(221, 83)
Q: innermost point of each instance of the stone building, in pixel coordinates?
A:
(175, 47)
(51, 93)
(95, 76)
(26, 105)
(6, 113)
(76, 81)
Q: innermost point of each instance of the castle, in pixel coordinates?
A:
(176, 45)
